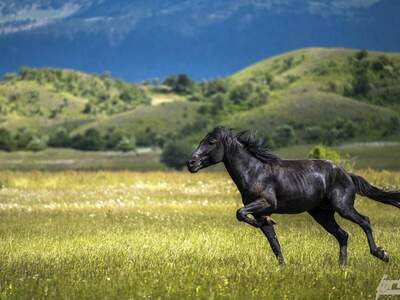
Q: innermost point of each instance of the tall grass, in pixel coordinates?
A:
(125, 235)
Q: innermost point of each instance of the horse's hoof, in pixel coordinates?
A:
(383, 255)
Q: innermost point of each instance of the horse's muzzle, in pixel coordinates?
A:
(193, 165)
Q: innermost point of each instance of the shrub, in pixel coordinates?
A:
(380, 63)
(213, 87)
(7, 142)
(258, 98)
(360, 55)
(218, 102)
(112, 138)
(184, 84)
(322, 152)
(181, 84)
(37, 143)
(146, 138)
(10, 76)
(313, 134)
(90, 140)
(284, 135)
(23, 138)
(361, 84)
(118, 140)
(241, 93)
(126, 144)
(287, 63)
(331, 136)
(170, 81)
(60, 138)
(175, 154)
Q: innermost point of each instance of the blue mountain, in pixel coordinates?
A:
(145, 39)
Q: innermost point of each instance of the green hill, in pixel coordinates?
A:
(305, 96)
(327, 89)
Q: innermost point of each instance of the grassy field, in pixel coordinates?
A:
(68, 159)
(126, 235)
(375, 155)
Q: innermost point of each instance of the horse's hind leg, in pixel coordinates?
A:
(352, 215)
(344, 206)
(326, 218)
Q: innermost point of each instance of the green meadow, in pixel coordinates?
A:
(129, 235)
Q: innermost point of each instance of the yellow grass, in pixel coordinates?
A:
(126, 235)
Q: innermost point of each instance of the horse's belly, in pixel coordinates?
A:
(292, 204)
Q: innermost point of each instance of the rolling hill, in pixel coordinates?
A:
(317, 87)
(310, 95)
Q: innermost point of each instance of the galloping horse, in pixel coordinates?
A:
(269, 184)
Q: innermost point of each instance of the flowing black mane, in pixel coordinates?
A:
(256, 147)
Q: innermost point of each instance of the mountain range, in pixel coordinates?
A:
(149, 39)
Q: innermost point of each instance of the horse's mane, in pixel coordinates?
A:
(256, 147)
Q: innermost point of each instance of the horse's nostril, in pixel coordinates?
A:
(192, 162)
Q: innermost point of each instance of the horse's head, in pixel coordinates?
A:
(210, 151)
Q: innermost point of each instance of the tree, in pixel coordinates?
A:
(331, 136)
(90, 140)
(176, 154)
(87, 109)
(23, 138)
(118, 140)
(241, 93)
(6, 140)
(361, 84)
(217, 103)
(60, 138)
(184, 84)
(360, 55)
(148, 138)
(170, 81)
(313, 134)
(181, 84)
(213, 87)
(284, 135)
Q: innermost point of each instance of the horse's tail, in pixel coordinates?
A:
(364, 188)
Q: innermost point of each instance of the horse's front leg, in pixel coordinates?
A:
(257, 207)
(270, 234)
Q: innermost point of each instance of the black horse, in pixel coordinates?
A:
(270, 185)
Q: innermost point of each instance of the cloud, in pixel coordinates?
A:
(346, 4)
(338, 7)
(33, 16)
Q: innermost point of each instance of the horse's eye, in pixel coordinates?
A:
(212, 142)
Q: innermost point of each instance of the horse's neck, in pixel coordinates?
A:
(237, 163)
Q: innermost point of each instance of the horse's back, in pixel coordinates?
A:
(303, 184)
